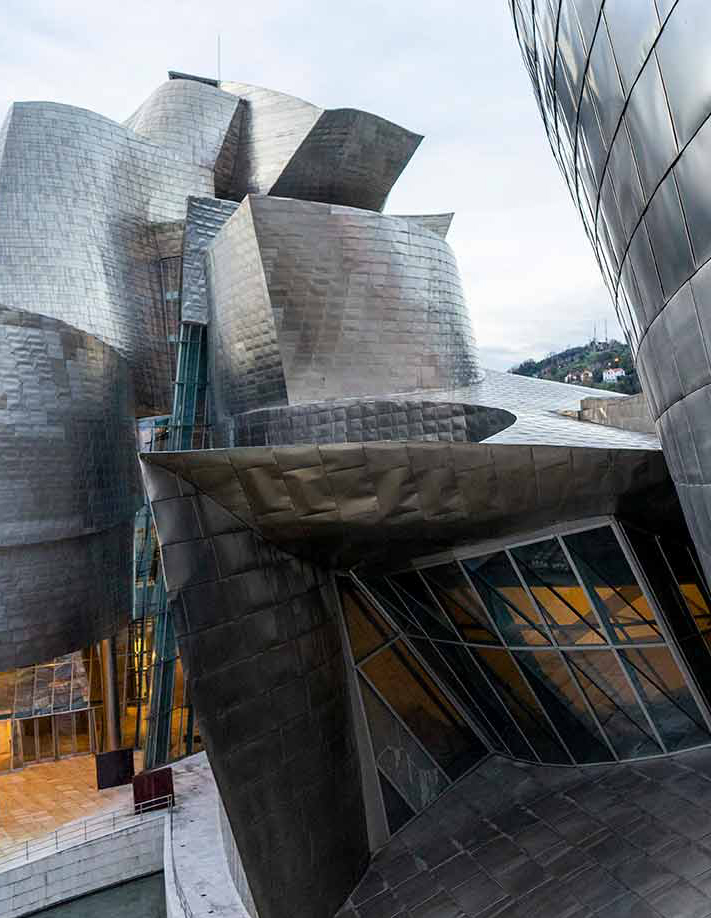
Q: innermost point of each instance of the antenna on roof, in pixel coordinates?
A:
(219, 75)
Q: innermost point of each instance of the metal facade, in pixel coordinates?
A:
(311, 301)
(68, 489)
(623, 92)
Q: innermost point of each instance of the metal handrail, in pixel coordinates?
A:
(182, 898)
(77, 833)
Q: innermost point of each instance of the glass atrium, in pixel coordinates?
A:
(575, 648)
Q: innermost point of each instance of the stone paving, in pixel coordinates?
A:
(38, 799)
(522, 841)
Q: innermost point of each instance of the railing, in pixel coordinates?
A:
(77, 833)
(187, 911)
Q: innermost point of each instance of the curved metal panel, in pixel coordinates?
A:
(291, 148)
(621, 90)
(273, 127)
(348, 157)
(312, 301)
(188, 117)
(262, 652)
(359, 421)
(89, 255)
(68, 488)
(341, 505)
(435, 223)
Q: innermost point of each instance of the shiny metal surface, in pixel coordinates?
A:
(623, 92)
(435, 223)
(311, 301)
(341, 505)
(238, 526)
(204, 219)
(262, 653)
(89, 255)
(190, 118)
(68, 488)
(359, 421)
(291, 148)
(516, 840)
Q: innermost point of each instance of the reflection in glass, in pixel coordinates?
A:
(393, 604)
(457, 671)
(502, 672)
(424, 709)
(396, 810)
(367, 629)
(606, 573)
(399, 757)
(613, 700)
(450, 586)
(557, 691)
(691, 586)
(422, 606)
(558, 593)
(506, 599)
(7, 693)
(662, 688)
(687, 623)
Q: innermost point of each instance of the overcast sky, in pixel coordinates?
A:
(448, 69)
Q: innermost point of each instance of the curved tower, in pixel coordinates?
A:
(68, 489)
(623, 89)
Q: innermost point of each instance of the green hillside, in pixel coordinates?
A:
(587, 363)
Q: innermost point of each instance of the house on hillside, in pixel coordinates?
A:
(613, 374)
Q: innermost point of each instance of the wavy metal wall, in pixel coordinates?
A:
(68, 489)
(311, 301)
(624, 89)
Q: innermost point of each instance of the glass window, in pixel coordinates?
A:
(503, 673)
(7, 693)
(691, 586)
(367, 629)
(457, 671)
(618, 597)
(64, 729)
(42, 702)
(399, 757)
(451, 588)
(506, 599)
(683, 597)
(61, 689)
(80, 683)
(393, 604)
(81, 720)
(423, 607)
(396, 810)
(610, 694)
(24, 687)
(559, 694)
(662, 688)
(558, 593)
(423, 708)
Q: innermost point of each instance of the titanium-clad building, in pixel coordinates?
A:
(623, 89)
(446, 644)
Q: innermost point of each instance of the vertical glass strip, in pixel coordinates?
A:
(398, 756)
(601, 678)
(560, 696)
(557, 592)
(413, 695)
(506, 599)
(502, 672)
(619, 599)
(664, 691)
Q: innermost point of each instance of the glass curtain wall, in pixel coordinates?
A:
(548, 651)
